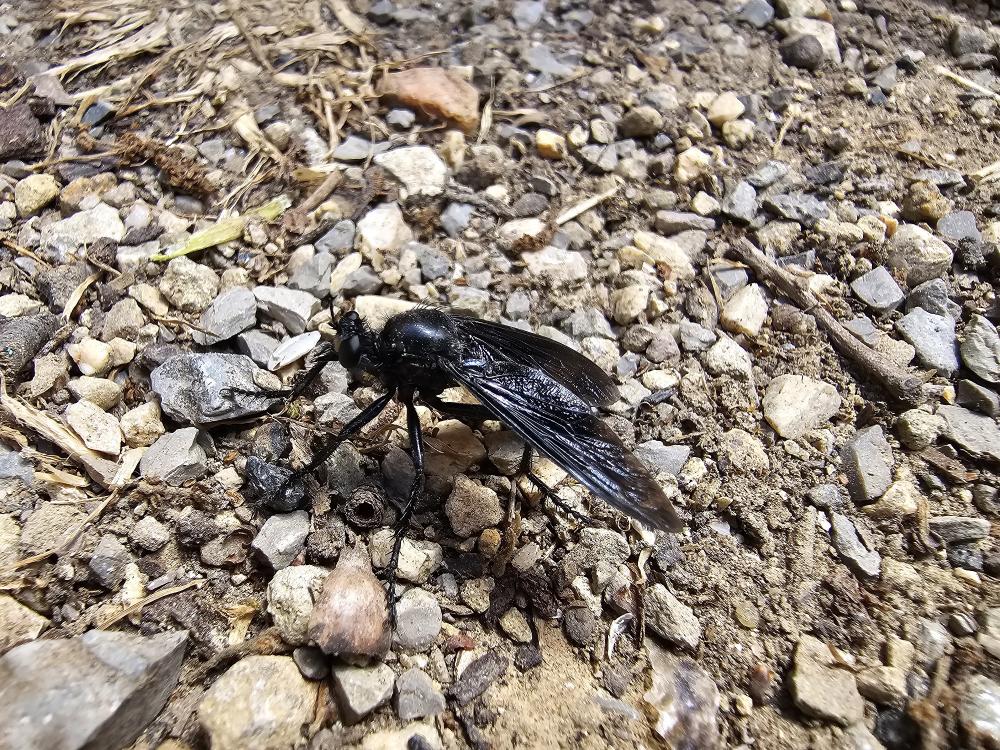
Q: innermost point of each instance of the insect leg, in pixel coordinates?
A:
(323, 354)
(472, 412)
(547, 492)
(416, 490)
(367, 415)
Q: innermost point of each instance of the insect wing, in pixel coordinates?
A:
(563, 427)
(572, 369)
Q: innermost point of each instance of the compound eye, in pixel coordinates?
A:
(349, 351)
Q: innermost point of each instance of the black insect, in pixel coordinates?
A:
(542, 390)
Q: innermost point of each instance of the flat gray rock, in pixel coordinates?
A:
(232, 312)
(972, 432)
(853, 548)
(100, 690)
(196, 388)
(867, 459)
(933, 337)
(878, 290)
(981, 349)
(291, 307)
(668, 458)
(178, 456)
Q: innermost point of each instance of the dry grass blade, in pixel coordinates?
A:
(347, 17)
(144, 40)
(100, 469)
(226, 230)
(246, 128)
(77, 295)
(155, 596)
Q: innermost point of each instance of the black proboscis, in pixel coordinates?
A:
(545, 392)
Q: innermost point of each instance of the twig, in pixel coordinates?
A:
(903, 385)
(967, 82)
(295, 220)
(563, 82)
(573, 211)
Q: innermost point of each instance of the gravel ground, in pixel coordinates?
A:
(776, 226)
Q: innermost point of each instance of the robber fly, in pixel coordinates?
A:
(544, 391)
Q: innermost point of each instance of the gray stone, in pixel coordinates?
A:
(767, 174)
(230, 313)
(108, 561)
(257, 345)
(417, 696)
(123, 321)
(918, 254)
(471, 507)
(757, 13)
(672, 222)
(978, 397)
(177, 457)
(863, 327)
(966, 39)
(402, 119)
(695, 337)
(795, 404)
(867, 459)
(933, 297)
(958, 226)
(854, 548)
(290, 597)
(660, 457)
(290, 307)
(800, 207)
(67, 237)
(199, 388)
(312, 662)
(189, 286)
(820, 688)
(14, 465)
(361, 690)
(641, 122)
(981, 349)
(260, 702)
(282, 538)
(878, 290)
(588, 321)
(933, 337)
(340, 238)
(362, 281)
(740, 203)
(99, 690)
(314, 275)
(977, 710)
(956, 529)
(418, 621)
(418, 168)
(456, 217)
(670, 618)
(802, 51)
(825, 497)
(604, 158)
(355, 148)
(433, 263)
(683, 701)
(972, 432)
(149, 534)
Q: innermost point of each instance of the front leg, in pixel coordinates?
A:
(416, 490)
(322, 355)
(368, 414)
